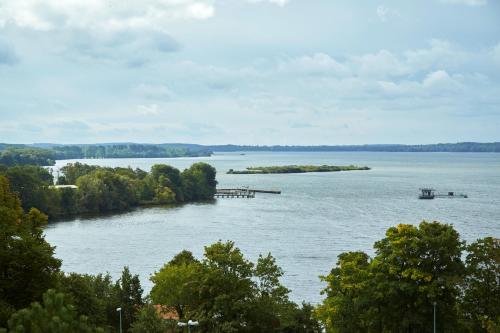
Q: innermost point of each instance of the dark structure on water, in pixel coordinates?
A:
(429, 193)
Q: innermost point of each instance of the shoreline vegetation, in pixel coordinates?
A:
(93, 190)
(45, 154)
(296, 169)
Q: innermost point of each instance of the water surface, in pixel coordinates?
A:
(317, 216)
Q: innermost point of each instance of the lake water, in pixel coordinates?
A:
(317, 216)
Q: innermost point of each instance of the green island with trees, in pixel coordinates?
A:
(296, 169)
(414, 270)
(100, 190)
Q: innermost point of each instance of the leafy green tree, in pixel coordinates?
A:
(176, 284)
(104, 191)
(27, 265)
(228, 293)
(347, 304)
(73, 171)
(129, 292)
(55, 315)
(31, 183)
(481, 301)
(199, 182)
(165, 176)
(413, 267)
(149, 321)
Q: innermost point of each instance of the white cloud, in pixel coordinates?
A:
(384, 13)
(382, 63)
(467, 2)
(148, 110)
(276, 2)
(153, 91)
(111, 15)
(317, 64)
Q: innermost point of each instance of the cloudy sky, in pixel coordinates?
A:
(249, 71)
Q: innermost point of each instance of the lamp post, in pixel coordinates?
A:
(120, 312)
(434, 304)
(189, 324)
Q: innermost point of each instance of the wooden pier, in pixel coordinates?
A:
(241, 192)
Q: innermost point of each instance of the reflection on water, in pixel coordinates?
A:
(317, 216)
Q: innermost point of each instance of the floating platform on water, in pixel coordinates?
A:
(430, 193)
(241, 192)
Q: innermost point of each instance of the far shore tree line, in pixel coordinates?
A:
(18, 154)
(103, 190)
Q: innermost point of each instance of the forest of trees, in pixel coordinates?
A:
(102, 190)
(45, 156)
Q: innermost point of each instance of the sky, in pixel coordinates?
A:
(303, 72)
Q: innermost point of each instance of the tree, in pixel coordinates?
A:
(176, 284)
(199, 182)
(104, 191)
(165, 176)
(413, 267)
(481, 300)
(31, 183)
(227, 293)
(55, 315)
(129, 292)
(346, 304)
(149, 321)
(27, 264)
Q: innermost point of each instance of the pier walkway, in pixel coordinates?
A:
(241, 192)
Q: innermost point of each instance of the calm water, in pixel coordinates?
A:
(318, 215)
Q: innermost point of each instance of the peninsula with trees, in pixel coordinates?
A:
(99, 190)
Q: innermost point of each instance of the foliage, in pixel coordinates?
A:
(129, 292)
(27, 265)
(297, 169)
(227, 293)
(413, 268)
(97, 297)
(11, 155)
(56, 315)
(481, 299)
(25, 155)
(31, 183)
(103, 189)
(149, 321)
(199, 182)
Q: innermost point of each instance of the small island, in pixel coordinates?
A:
(296, 169)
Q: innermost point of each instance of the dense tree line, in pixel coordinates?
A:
(489, 147)
(11, 155)
(21, 156)
(101, 190)
(413, 268)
